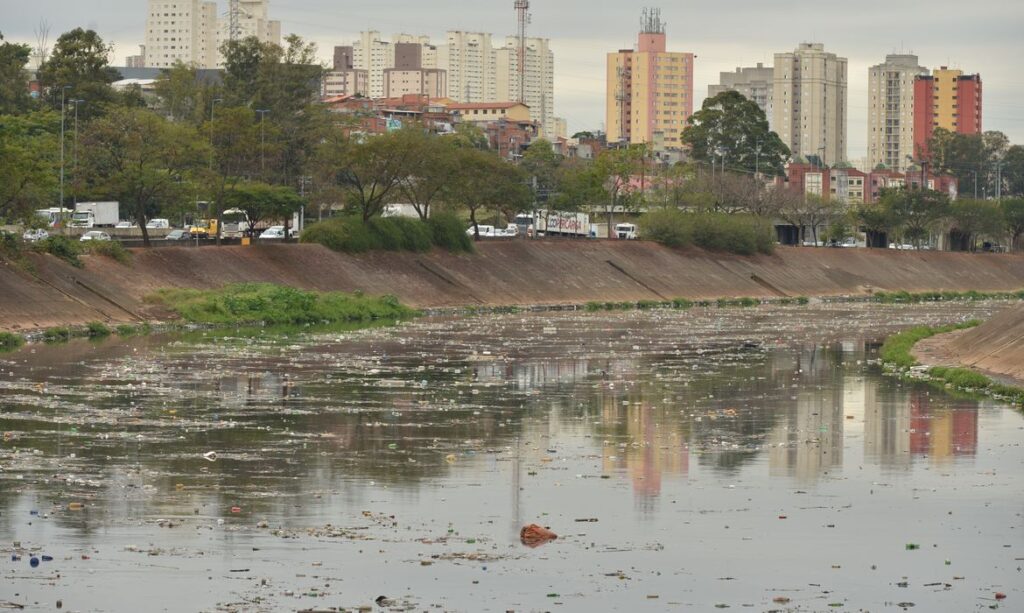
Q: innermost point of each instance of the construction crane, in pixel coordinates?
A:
(523, 9)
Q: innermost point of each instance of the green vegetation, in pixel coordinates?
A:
(111, 249)
(745, 302)
(63, 248)
(97, 329)
(261, 303)
(10, 342)
(903, 297)
(353, 235)
(738, 233)
(61, 334)
(896, 352)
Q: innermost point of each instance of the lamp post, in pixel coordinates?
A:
(213, 104)
(74, 155)
(757, 159)
(263, 143)
(63, 89)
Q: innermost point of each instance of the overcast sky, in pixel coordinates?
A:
(984, 36)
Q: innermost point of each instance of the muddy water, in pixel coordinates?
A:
(687, 460)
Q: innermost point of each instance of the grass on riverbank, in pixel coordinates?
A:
(903, 297)
(896, 353)
(10, 342)
(267, 304)
(353, 235)
(682, 304)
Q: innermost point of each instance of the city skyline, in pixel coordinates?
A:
(982, 42)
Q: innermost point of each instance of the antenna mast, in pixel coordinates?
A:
(522, 8)
(234, 15)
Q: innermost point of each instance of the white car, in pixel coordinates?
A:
(273, 232)
(35, 235)
(485, 231)
(124, 225)
(95, 235)
(157, 224)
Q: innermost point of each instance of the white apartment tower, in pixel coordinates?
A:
(181, 31)
(190, 31)
(538, 77)
(891, 111)
(374, 55)
(470, 60)
(809, 102)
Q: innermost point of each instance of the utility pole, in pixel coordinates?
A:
(522, 8)
(757, 159)
(213, 104)
(999, 180)
(62, 92)
(74, 155)
(263, 144)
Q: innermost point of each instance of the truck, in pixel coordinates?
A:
(561, 223)
(203, 228)
(96, 215)
(54, 217)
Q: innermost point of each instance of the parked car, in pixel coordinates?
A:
(178, 235)
(94, 235)
(158, 224)
(273, 232)
(485, 231)
(34, 235)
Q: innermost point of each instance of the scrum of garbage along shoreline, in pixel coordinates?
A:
(615, 460)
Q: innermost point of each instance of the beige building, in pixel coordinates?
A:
(891, 111)
(409, 76)
(809, 101)
(649, 90)
(469, 58)
(344, 79)
(190, 31)
(253, 20)
(538, 82)
(487, 112)
(754, 82)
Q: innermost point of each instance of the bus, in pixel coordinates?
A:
(54, 217)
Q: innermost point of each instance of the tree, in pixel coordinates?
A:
(14, 96)
(140, 159)
(262, 202)
(1013, 171)
(79, 62)
(235, 157)
(430, 165)
(486, 181)
(972, 158)
(1013, 220)
(540, 164)
(29, 153)
(733, 129)
(972, 219)
(615, 169)
(369, 172)
(579, 186)
(915, 212)
(183, 96)
(808, 212)
(877, 223)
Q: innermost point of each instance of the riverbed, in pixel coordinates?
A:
(731, 458)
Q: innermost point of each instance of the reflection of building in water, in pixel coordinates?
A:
(941, 432)
(886, 425)
(532, 375)
(809, 439)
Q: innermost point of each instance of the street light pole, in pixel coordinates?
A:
(757, 160)
(213, 104)
(74, 163)
(263, 144)
(62, 91)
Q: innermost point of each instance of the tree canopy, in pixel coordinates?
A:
(732, 128)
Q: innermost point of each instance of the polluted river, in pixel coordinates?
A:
(751, 459)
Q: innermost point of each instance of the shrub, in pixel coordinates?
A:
(250, 303)
(96, 329)
(126, 330)
(682, 304)
(10, 342)
(63, 248)
(963, 378)
(450, 233)
(112, 249)
(741, 234)
(594, 306)
(60, 334)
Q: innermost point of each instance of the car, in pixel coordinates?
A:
(125, 225)
(157, 224)
(273, 232)
(485, 231)
(178, 235)
(94, 235)
(36, 234)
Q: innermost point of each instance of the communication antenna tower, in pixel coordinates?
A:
(651, 23)
(523, 9)
(234, 15)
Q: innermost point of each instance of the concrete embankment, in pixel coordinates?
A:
(48, 292)
(995, 348)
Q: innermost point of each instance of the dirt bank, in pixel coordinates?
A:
(995, 348)
(515, 272)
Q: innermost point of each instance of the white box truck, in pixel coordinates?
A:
(562, 223)
(95, 215)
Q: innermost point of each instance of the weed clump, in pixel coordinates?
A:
(740, 234)
(97, 329)
(353, 235)
(10, 342)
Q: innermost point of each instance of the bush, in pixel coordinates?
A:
(112, 249)
(10, 342)
(61, 334)
(127, 330)
(96, 329)
(449, 233)
(263, 303)
(63, 248)
(741, 234)
(351, 235)
(682, 304)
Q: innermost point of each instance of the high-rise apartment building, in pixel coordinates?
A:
(181, 31)
(538, 79)
(754, 82)
(649, 90)
(344, 79)
(809, 102)
(375, 55)
(946, 99)
(891, 111)
(470, 60)
(189, 31)
(410, 77)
